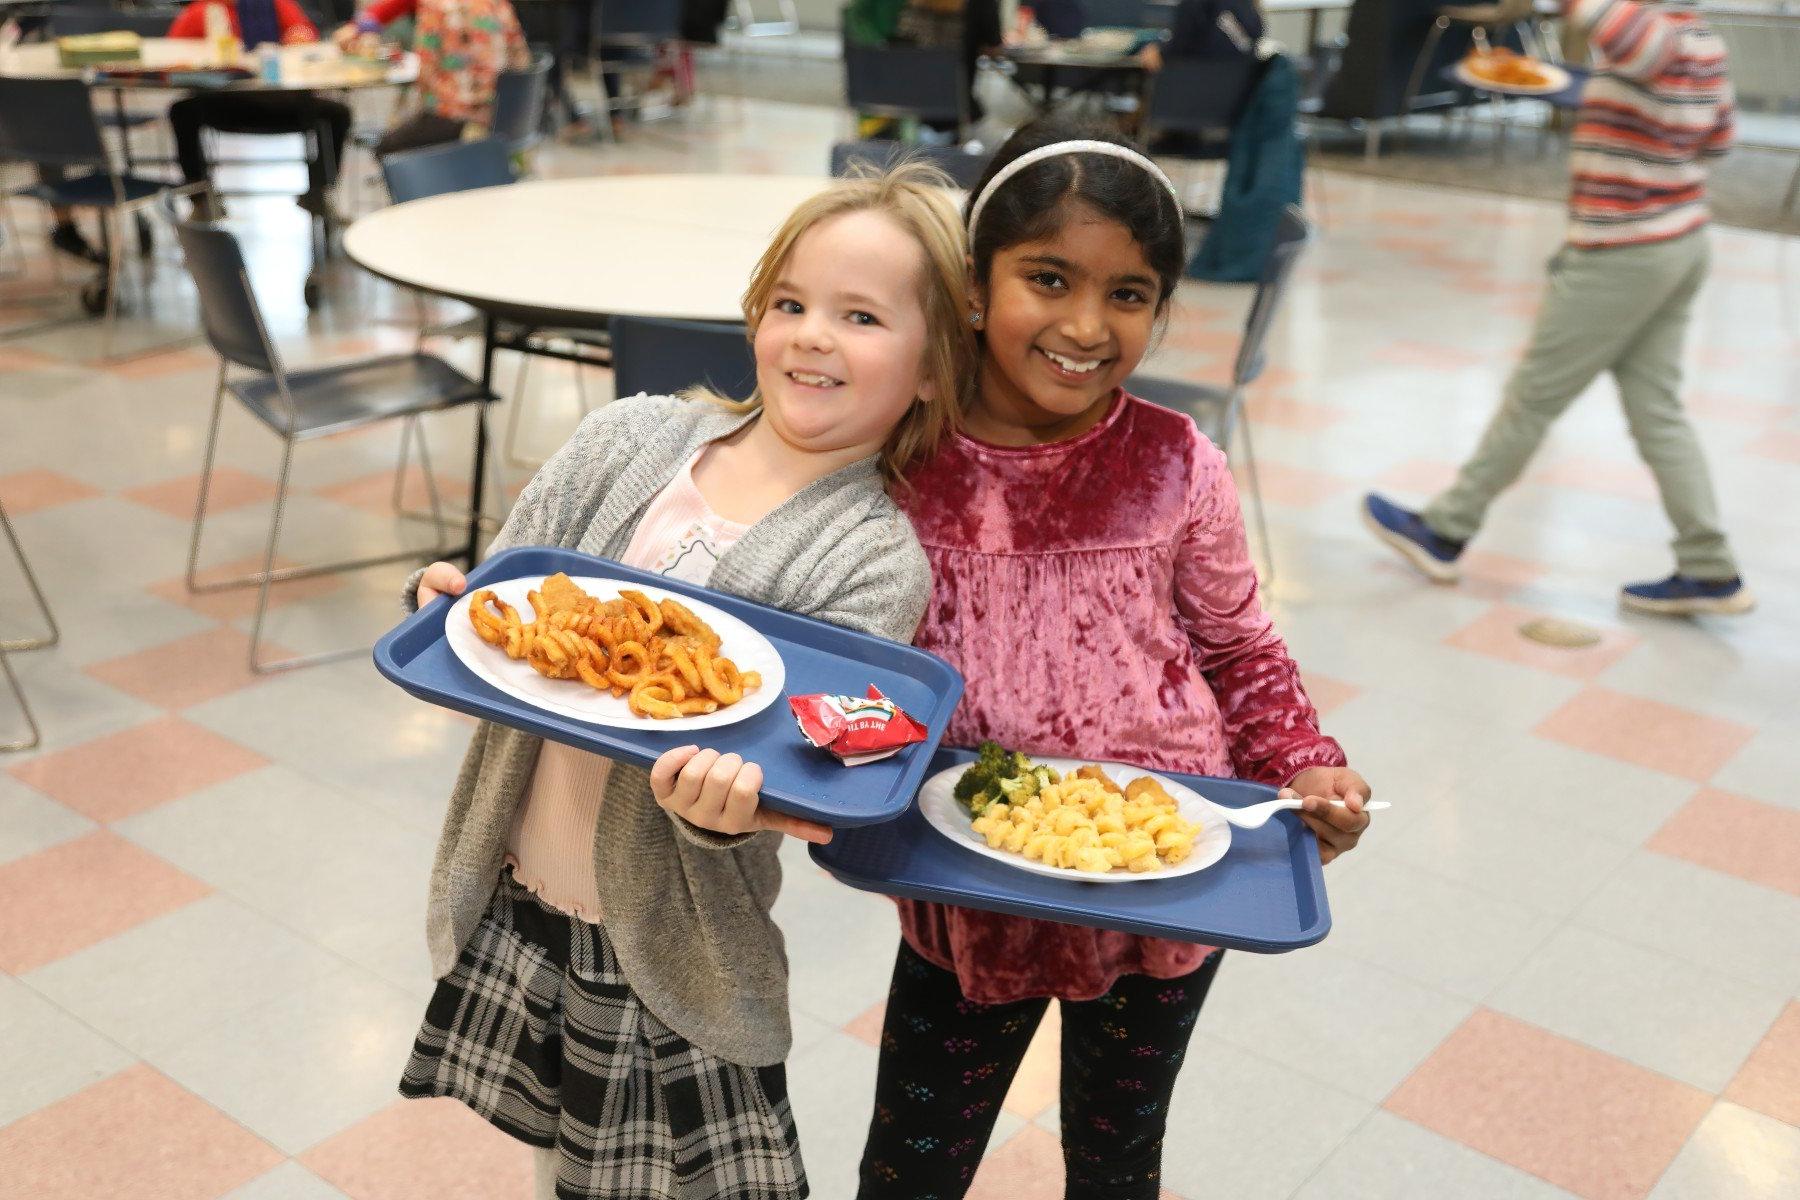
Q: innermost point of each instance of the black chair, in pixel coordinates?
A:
(299, 406)
(663, 357)
(1219, 411)
(519, 98)
(452, 167)
(626, 34)
(52, 121)
(964, 167)
(1193, 106)
(907, 81)
(49, 639)
(1115, 14)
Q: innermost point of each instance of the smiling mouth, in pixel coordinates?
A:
(1072, 368)
(814, 379)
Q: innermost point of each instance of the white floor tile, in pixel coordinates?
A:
(1390, 1158)
(31, 821)
(1717, 922)
(49, 1054)
(1642, 1005)
(289, 1181)
(170, 979)
(344, 1041)
(1737, 1153)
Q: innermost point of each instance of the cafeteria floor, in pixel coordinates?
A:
(1565, 963)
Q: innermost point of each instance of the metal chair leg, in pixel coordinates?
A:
(1262, 519)
(511, 451)
(1416, 80)
(37, 595)
(12, 683)
(1793, 191)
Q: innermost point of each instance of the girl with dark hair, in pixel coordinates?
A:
(1101, 535)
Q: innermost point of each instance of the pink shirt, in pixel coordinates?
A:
(551, 848)
(1098, 596)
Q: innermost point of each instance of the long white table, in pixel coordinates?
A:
(573, 253)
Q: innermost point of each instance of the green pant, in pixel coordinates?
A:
(1624, 310)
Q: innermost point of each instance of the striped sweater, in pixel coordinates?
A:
(1657, 105)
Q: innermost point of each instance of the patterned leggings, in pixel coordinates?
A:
(947, 1062)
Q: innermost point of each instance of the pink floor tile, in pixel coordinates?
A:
(1422, 477)
(188, 671)
(137, 769)
(1036, 1085)
(16, 358)
(1769, 1080)
(72, 895)
(1027, 1166)
(1496, 634)
(1398, 243)
(374, 493)
(135, 1134)
(1293, 486)
(1782, 445)
(1409, 218)
(1749, 839)
(866, 1027)
(1429, 355)
(29, 491)
(1285, 412)
(1631, 481)
(423, 1150)
(1328, 694)
(1603, 1128)
(1646, 732)
(230, 488)
(163, 362)
(236, 603)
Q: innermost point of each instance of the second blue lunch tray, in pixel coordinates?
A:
(1266, 895)
(820, 657)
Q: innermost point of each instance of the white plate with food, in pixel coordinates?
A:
(1157, 829)
(1511, 74)
(742, 655)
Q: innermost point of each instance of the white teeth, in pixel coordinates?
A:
(1078, 366)
(812, 380)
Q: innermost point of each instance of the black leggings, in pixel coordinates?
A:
(250, 112)
(946, 1064)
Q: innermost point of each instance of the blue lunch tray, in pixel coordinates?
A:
(1266, 895)
(820, 657)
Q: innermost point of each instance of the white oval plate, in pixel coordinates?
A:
(1559, 79)
(750, 650)
(937, 801)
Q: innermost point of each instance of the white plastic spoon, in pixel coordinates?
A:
(1254, 816)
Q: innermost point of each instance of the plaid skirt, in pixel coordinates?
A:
(537, 1030)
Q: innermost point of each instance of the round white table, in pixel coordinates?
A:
(572, 253)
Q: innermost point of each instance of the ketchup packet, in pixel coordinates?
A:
(856, 731)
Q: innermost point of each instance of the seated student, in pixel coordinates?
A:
(462, 45)
(1208, 29)
(971, 26)
(257, 22)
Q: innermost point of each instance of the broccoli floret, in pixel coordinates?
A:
(991, 761)
(979, 802)
(1019, 788)
(1046, 776)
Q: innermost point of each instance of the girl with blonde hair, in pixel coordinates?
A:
(612, 988)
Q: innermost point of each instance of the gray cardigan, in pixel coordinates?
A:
(687, 910)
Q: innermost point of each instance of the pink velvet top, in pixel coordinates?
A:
(1098, 596)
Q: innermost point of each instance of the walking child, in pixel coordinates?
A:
(1094, 586)
(1618, 300)
(611, 987)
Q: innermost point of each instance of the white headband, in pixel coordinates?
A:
(1056, 149)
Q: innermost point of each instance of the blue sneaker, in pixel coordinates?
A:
(1680, 596)
(1434, 557)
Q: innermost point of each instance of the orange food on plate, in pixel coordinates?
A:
(1505, 68)
(660, 656)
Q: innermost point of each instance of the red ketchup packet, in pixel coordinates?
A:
(856, 731)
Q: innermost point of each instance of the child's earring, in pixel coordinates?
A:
(975, 318)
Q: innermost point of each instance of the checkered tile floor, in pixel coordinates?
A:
(1565, 964)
